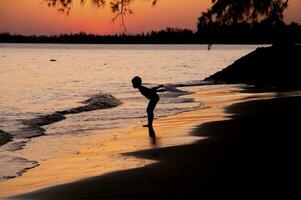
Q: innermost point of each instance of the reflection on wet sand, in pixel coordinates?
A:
(152, 135)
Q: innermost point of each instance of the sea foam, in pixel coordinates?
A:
(96, 102)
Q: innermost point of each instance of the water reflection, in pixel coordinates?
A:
(152, 136)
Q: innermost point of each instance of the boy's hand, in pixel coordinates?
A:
(161, 90)
(156, 88)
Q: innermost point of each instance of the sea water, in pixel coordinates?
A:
(41, 83)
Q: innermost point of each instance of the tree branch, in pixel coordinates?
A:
(119, 7)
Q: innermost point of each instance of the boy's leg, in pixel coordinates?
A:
(150, 112)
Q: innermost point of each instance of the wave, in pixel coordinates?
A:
(12, 167)
(44, 120)
(16, 166)
(99, 101)
(96, 102)
(190, 83)
(4, 138)
(14, 146)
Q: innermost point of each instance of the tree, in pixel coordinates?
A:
(232, 12)
(118, 7)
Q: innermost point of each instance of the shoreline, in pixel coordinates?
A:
(109, 156)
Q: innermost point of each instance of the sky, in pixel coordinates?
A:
(33, 17)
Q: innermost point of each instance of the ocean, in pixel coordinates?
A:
(70, 89)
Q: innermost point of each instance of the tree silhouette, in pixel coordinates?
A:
(118, 7)
(231, 12)
(222, 13)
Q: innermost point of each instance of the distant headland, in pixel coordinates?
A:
(227, 34)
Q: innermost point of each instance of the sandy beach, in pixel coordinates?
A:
(149, 99)
(186, 146)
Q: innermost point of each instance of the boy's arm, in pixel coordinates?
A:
(162, 90)
(156, 88)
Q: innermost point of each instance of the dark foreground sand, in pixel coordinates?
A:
(254, 154)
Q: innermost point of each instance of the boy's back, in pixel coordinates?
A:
(148, 93)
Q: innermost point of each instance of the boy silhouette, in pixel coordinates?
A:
(151, 94)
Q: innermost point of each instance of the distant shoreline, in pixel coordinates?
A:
(246, 43)
(222, 35)
(175, 44)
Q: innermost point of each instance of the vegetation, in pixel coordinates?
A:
(240, 34)
(222, 12)
(167, 36)
(118, 7)
(233, 12)
(247, 21)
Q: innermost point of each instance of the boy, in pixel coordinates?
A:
(151, 94)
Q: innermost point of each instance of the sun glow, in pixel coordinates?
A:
(34, 17)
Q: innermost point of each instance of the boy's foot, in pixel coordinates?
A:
(147, 125)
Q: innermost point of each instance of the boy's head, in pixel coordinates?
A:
(137, 81)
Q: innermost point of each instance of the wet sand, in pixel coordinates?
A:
(208, 152)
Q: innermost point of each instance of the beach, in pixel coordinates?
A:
(52, 108)
(210, 140)
(149, 99)
(190, 149)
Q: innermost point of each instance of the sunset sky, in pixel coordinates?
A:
(33, 17)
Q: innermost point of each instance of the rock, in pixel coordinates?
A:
(276, 66)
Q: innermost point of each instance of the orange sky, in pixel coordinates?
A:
(32, 17)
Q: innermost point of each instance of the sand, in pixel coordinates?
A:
(192, 156)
